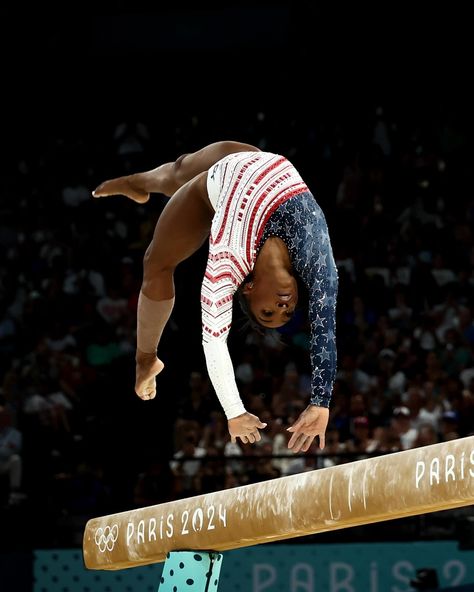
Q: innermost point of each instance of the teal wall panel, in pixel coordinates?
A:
(371, 567)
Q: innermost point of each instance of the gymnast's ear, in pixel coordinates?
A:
(247, 288)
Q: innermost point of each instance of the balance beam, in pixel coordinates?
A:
(408, 483)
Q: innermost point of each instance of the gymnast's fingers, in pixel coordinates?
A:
(306, 446)
(293, 439)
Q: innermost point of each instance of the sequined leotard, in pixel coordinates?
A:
(257, 195)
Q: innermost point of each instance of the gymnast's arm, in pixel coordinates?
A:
(169, 177)
(216, 322)
(322, 285)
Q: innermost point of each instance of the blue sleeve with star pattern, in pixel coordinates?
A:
(301, 224)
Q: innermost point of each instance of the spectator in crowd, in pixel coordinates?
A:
(333, 449)
(427, 435)
(360, 441)
(403, 427)
(10, 455)
(187, 469)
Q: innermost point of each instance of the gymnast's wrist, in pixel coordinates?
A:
(237, 416)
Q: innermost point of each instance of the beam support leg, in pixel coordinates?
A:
(191, 571)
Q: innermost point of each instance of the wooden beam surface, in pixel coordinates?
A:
(408, 483)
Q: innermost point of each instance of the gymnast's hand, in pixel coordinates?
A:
(148, 366)
(129, 186)
(246, 428)
(311, 423)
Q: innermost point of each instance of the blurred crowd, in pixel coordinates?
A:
(76, 442)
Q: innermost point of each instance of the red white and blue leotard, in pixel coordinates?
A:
(246, 190)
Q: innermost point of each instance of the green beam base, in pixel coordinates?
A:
(191, 571)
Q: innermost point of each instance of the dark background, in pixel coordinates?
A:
(69, 67)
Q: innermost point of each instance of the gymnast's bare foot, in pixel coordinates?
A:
(128, 186)
(148, 366)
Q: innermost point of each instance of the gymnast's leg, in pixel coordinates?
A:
(169, 177)
(181, 229)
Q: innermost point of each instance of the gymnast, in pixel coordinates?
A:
(265, 229)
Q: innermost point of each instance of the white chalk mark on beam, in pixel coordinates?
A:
(364, 484)
(330, 496)
(349, 490)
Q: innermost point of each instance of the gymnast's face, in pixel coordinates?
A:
(271, 301)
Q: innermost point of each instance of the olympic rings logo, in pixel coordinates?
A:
(105, 538)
